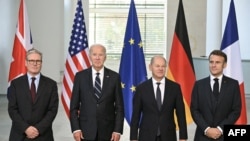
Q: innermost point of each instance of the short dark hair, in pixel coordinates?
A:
(219, 53)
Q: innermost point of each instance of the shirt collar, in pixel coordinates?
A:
(101, 71)
(37, 76)
(162, 80)
(212, 77)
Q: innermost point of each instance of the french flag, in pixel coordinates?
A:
(230, 46)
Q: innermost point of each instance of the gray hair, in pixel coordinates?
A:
(100, 45)
(33, 51)
(157, 56)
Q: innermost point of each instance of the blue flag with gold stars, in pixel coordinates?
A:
(132, 66)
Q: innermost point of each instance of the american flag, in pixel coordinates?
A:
(22, 43)
(77, 57)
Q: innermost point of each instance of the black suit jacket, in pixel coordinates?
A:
(145, 105)
(228, 105)
(91, 116)
(24, 113)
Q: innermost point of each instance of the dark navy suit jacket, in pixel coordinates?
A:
(206, 111)
(145, 106)
(23, 112)
(91, 116)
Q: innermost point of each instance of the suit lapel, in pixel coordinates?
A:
(167, 90)
(167, 93)
(152, 96)
(26, 87)
(151, 93)
(222, 88)
(41, 87)
(106, 82)
(208, 93)
(90, 85)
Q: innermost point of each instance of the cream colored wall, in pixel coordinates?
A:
(195, 14)
(47, 29)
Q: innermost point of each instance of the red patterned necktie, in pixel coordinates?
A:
(33, 89)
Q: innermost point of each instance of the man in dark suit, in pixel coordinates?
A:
(32, 115)
(96, 107)
(214, 105)
(154, 104)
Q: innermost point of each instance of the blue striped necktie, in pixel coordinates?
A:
(97, 88)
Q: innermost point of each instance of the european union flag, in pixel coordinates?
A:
(132, 65)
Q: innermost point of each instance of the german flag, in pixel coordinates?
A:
(180, 67)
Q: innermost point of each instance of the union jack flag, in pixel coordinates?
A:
(22, 43)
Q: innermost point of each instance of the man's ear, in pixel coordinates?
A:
(224, 65)
(150, 67)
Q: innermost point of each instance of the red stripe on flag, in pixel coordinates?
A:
(21, 19)
(22, 43)
(181, 69)
(86, 58)
(77, 63)
(66, 87)
(243, 116)
(230, 46)
(17, 66)
(66, 108)
(69, 71)
(77, 58)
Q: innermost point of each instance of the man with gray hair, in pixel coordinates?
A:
(33, 102)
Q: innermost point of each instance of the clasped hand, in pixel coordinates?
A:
(213, 133)
(31, 132)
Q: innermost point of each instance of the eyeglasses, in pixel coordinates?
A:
(37, 62)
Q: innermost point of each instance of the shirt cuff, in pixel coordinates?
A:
(117, 133)
(76, 131)
(205, 132)
(220, 129)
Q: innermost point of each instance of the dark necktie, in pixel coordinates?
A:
(97, 88)
(216, 87)
(158, 99)
(158, 95)
(33, 89)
